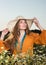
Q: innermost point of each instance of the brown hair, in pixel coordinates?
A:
(16, 31)
(16, 34)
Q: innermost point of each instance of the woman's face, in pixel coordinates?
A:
(22, 25)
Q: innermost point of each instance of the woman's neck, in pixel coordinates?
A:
(22, 32)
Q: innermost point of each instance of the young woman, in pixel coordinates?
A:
(21, 40)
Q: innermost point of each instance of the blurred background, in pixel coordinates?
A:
(10, 9)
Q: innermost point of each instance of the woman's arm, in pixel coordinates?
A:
(9, 38)
(8, 41)
(37, 23)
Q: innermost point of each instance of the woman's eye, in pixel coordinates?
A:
(21, 22)
(24, 21)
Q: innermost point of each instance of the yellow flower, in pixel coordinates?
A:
(1, 57)
(6, 61)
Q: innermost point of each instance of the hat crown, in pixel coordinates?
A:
(19, 17)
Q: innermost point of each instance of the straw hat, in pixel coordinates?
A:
(12, 23)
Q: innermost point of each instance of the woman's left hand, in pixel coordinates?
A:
(35, 20)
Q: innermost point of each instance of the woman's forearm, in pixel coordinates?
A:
(37, 24)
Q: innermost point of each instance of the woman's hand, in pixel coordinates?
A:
(35, 20)
(4, 32)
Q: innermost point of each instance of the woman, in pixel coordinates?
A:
(21, 40)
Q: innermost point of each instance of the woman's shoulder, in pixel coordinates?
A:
(35, 31)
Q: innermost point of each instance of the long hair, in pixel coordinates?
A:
(16, 34)
(16, 30)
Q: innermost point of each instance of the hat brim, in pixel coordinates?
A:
(29, 22)
(12, 23)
